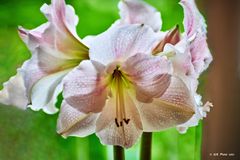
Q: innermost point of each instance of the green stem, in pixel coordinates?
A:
(118, 153)
(146, 146)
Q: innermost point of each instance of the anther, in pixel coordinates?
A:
(116, 121)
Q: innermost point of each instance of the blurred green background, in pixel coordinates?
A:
(28, 135)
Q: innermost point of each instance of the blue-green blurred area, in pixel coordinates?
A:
(28, 135)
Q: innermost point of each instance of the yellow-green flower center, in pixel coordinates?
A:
(120, 84)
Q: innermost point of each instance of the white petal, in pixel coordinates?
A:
(174, 107)
(201, 56)
(150, 75)
(120, 42)
(200, 112)
(31, 73)
(88, 40)
(53, 45)
(139, 12)
(107, 129)
(43, 90)
(62, 16)
(42, 64)
(193, 20)
(14, 92)
(50, 63)
(182, 63)
(32, 37)
(58, 36)
(51, 108)
(71, 122)
(85, 87)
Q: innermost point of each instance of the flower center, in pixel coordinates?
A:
(119, 84)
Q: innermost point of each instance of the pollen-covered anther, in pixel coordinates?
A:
(120, 123)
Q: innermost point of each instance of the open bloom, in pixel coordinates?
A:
(188, 52)
(55, 49)
(192, 56)
(123, 90)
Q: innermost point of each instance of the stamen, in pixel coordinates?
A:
(126, 120)
(116, 121)
(118, 81)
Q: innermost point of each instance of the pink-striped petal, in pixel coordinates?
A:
(71, 122)
(85, 87)
(63, 22)
(200, 113)
(193, 20)
(120, 42)
(58, 36)
(200, 53)
(150, 75)
(55, 48)
(174, 107)
(195, 29)
(39, 67)
(113, 131)
(139, 12)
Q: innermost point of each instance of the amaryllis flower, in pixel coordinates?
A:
(123, 90)
(55, 49)
(188, 52)
(192, 55)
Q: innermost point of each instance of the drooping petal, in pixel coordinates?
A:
(71, 122)
(120, 42)
(193, 20)
(174, 107)
(200, 53)
(150, 75)
(139, 12)
(85, 87)
(14, 92)
(112, 131)
(43, 91)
